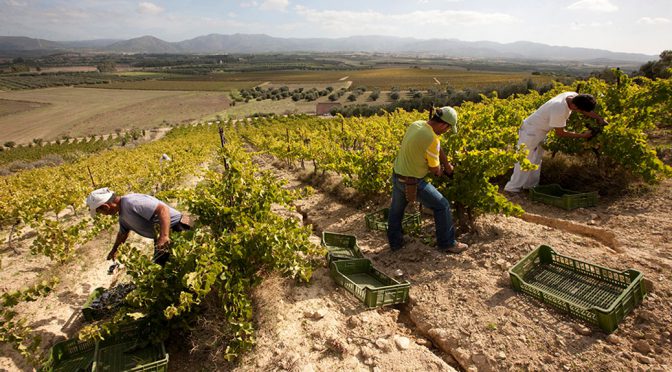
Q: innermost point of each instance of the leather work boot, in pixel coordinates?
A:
(456, 248)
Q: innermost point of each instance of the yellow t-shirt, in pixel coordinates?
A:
(418, 152)
(432, 153)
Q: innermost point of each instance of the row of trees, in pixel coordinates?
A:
(422, 100)
(26, 65)
(276, 93)
(661, 68)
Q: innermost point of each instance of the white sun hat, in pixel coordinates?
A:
(448, 115)
(97, 198)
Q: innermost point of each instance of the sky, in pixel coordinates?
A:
(637, 26)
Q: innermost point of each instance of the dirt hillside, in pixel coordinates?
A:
(462, 315)
(463, 311)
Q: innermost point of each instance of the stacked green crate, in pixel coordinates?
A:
(357, 275)
(126, 350)
(567, 199)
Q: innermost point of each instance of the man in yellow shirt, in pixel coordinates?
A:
(419, 154)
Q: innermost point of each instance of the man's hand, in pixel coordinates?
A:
(163, 242)
(112, 254)
(121, 238)
(448, 169)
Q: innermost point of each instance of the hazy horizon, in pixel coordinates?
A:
(614, 25)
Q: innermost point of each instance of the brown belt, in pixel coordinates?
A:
(407, 180)
(411, 189)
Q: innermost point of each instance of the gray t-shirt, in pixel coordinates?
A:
(136, 213)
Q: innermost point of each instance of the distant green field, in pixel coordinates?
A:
(383, 79)
(140, 73)
(193, 85)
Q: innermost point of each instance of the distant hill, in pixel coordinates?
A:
(144, 44)
(249, 43)
(26, 43)
(91, 44)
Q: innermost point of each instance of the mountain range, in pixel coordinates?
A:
(250, 43)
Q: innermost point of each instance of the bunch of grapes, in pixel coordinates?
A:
(111, 299)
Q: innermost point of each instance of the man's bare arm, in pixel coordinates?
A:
(163, 213)
(121, 239)
(435, 171)
(594, 115)
(561, 132)
(443, 159)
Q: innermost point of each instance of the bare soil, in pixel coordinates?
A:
(78, 112)
(57, 316)
(9, 107)
(462, 309)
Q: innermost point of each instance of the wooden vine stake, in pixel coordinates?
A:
(222, 140)
(93, 183)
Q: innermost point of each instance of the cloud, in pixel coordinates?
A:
(594, 5)
(249, 4)
(423, 2)
(274, 5)
(653, 20)
(15, 3)
(425, 22)
(576, 26)
(149, 8)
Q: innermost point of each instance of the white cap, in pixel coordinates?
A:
(97, 198)
(448, 115)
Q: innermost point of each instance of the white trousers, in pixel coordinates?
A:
(528, 179)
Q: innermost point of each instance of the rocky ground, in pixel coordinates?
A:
(59, 315)
(463, 311)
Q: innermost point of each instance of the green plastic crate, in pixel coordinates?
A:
(129, 350)
(378, 221)
(372, 287)
(126, 350)
(340, 246)
(595, 294)
(557, 196)
(89, 313)
(71, 356)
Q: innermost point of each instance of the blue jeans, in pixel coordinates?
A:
(430, 198)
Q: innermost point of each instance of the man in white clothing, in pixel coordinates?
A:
(552, 115)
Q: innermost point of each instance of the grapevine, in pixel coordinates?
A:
(238, 239)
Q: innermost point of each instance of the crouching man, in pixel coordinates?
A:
(139, 213)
